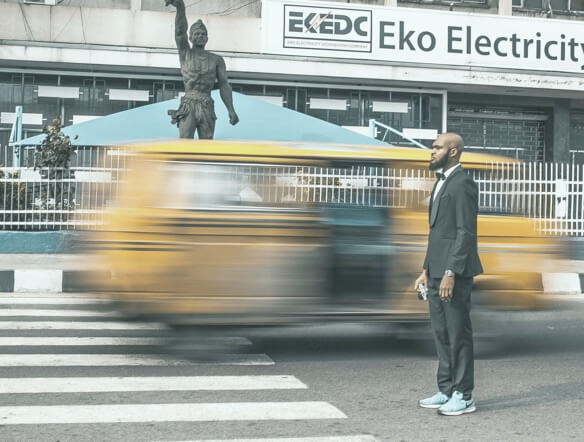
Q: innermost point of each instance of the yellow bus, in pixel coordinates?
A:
(236, 233)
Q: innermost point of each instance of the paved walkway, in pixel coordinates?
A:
(561, 276)
(63, 261)
(53, 261)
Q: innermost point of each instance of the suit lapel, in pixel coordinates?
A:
(432, 201)
(435, 203)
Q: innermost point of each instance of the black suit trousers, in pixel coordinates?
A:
(452, 331)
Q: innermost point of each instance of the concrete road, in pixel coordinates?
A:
(71, 370)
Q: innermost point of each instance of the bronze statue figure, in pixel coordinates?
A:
(201, 71)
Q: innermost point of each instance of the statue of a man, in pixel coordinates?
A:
(201, 70)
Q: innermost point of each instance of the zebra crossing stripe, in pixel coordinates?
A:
(110, 360)
(351, 438)
(116, 341)
(67, 341)
(52, 312)
(72, 325)
(147, 383)
(201, 412)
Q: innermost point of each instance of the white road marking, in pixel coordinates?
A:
(150, 383)
(51, 312)
(106, 360)
(230, 411)
(61, 300)
(66, 325)
(65, 341)
(106, 341)
(352, 438)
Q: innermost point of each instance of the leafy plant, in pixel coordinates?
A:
(52, 158)
(56, 149)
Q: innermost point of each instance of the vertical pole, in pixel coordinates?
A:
(505, 7)
(579, 178)
(16, 136)
(372, 128)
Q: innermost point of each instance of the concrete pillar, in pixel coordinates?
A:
(505, 7)
(136, 5)
(392, 3)
(561, 131)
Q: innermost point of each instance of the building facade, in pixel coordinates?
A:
(507, 74)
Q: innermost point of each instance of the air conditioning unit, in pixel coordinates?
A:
(41, 2)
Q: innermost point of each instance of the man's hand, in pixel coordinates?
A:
(446, 288)
(233, 118)
(422, 279)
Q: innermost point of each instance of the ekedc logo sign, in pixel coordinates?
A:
(409, 35)
(332, 29)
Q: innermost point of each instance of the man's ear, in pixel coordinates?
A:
(453, 151)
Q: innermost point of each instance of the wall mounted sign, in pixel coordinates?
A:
(421, 36)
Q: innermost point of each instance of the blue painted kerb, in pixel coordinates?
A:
(36, 242)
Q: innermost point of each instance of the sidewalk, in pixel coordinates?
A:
(48, 261)
(56, 272)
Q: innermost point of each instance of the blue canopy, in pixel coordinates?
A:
(259, 120)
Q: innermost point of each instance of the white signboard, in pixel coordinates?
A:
(58, 92)
(27, 118)
(129, 95)
(408, 35)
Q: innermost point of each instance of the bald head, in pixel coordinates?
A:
(446, 151)
(453, 141)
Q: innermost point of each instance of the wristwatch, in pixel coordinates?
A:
(449, 273)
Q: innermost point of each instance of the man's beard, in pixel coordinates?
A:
(439, 164)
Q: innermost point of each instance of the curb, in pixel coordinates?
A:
(563, 282)
(68, 281)
(45, 280)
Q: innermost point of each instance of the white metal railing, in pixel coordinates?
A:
(577, 156)
(55, 198)
(83, 157)
(550, 194)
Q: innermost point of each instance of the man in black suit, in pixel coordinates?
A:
(451, 262)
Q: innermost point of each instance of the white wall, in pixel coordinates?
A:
(120, 27)
(231, 7)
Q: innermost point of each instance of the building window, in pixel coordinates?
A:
(511, 132)
(576, 6)
(468, 3)
(401, 110)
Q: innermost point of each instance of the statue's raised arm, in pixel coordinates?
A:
(181, 25)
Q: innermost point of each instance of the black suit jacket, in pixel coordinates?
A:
(452, 243)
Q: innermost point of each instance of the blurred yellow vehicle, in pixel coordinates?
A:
(233, 233)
